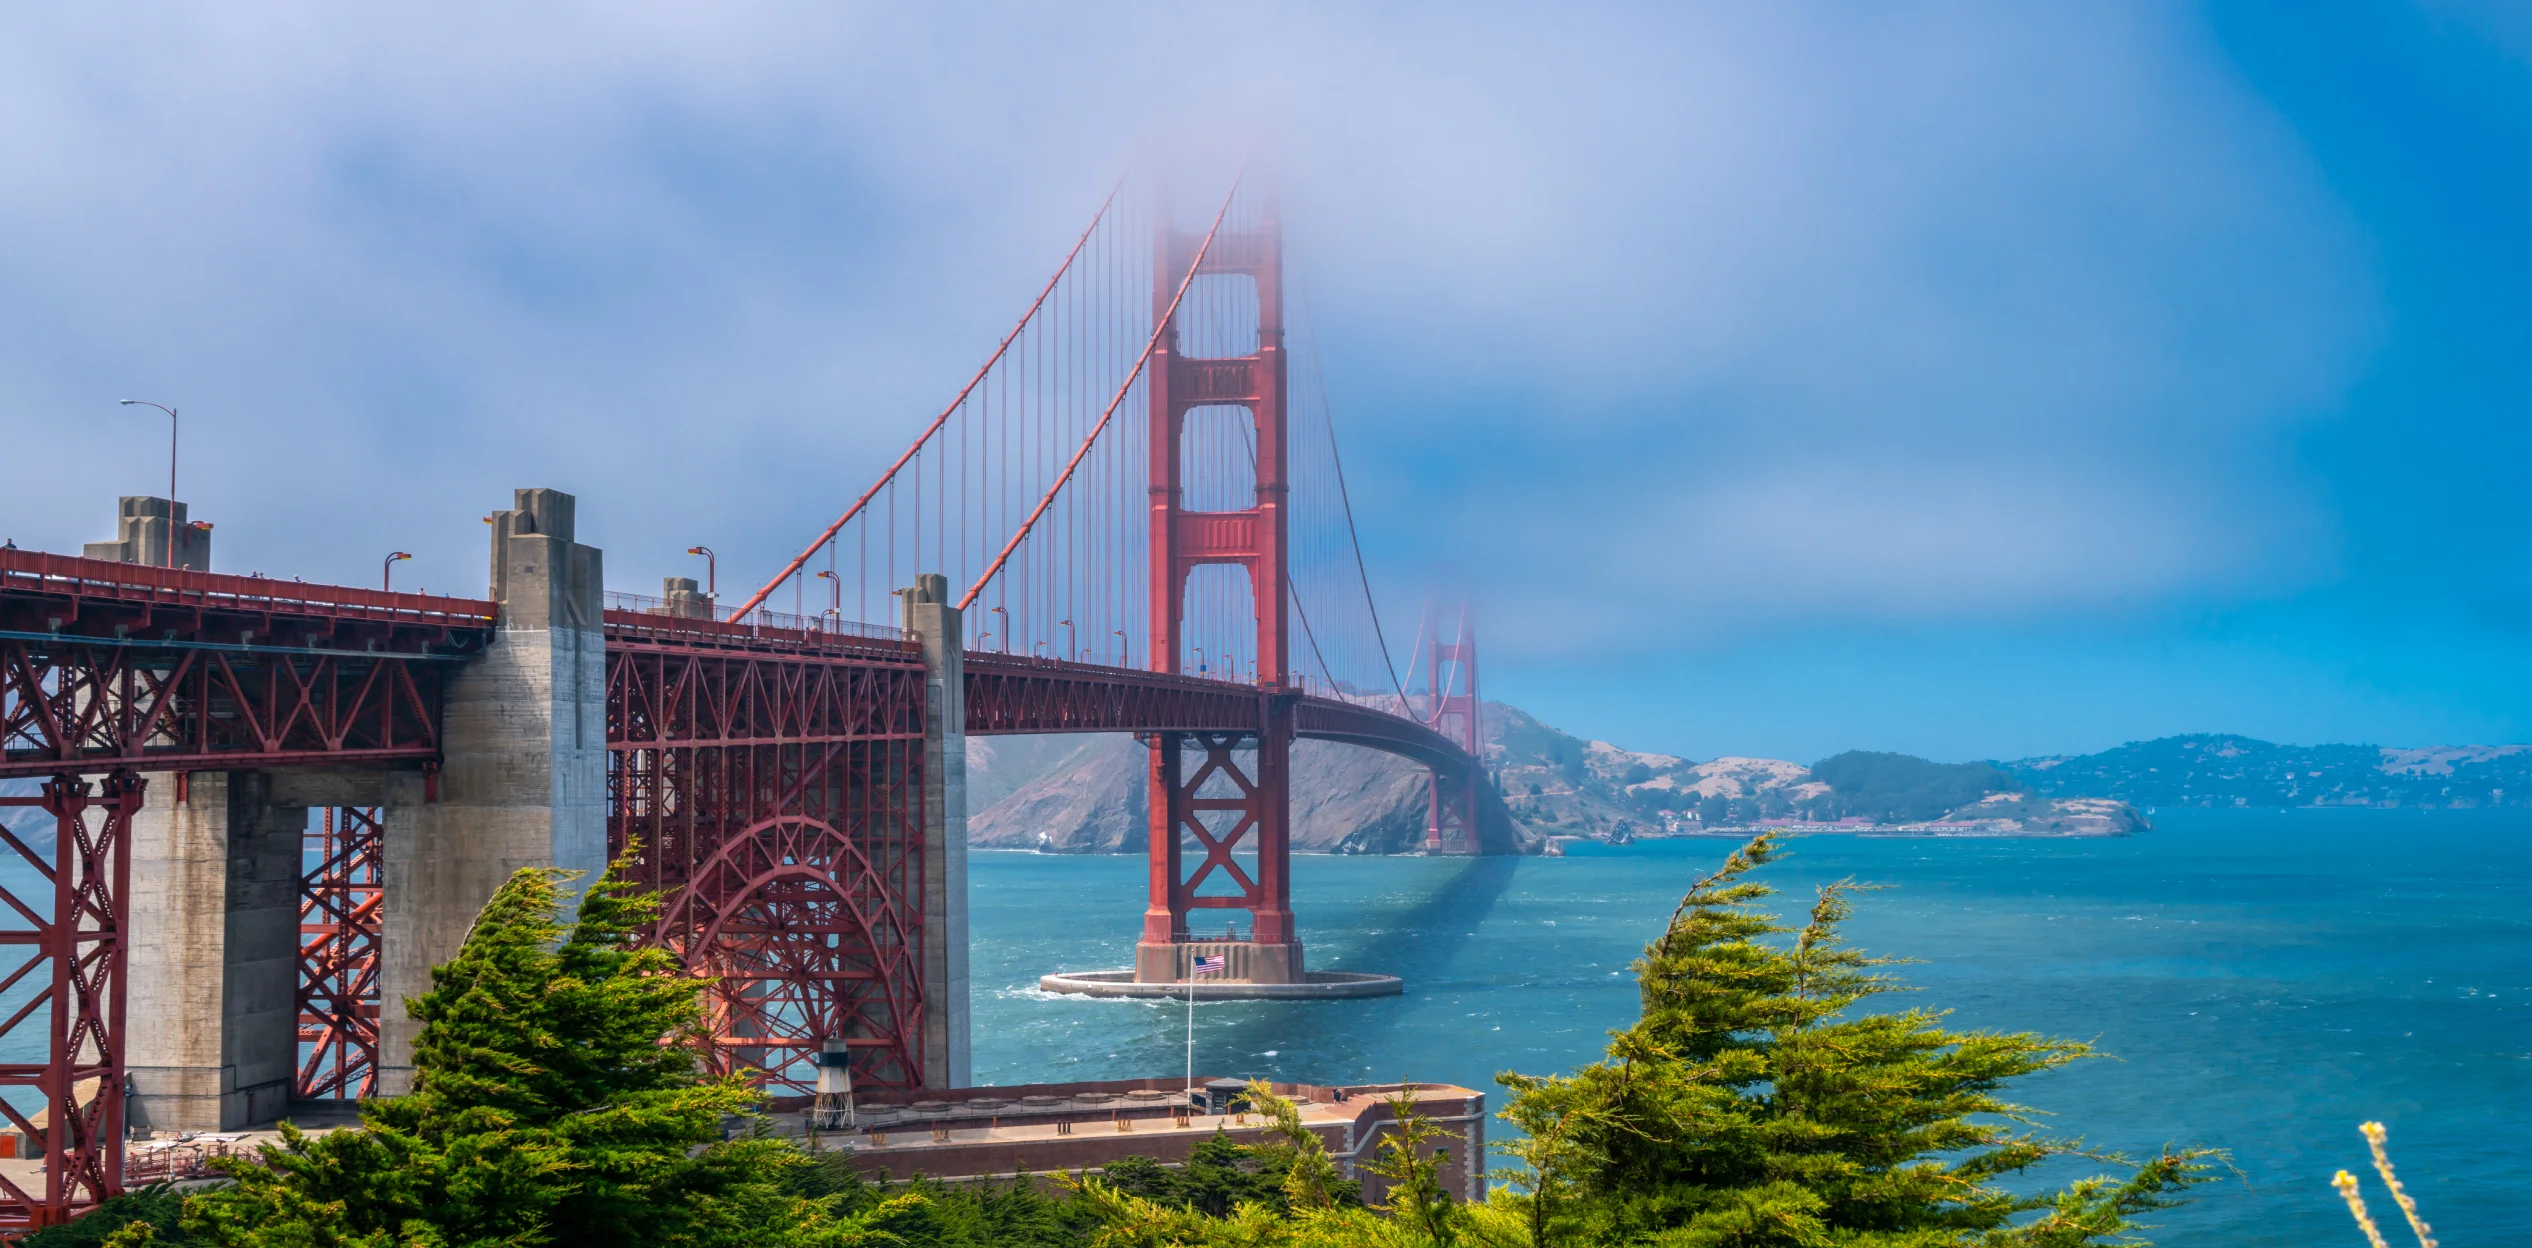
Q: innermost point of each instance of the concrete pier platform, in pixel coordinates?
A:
(1315, 986)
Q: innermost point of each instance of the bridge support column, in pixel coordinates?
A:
(523, 776)
(930, 616)
(214, 972)
(1222, 809)
(1451, 826)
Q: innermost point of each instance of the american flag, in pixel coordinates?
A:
(1211, 965)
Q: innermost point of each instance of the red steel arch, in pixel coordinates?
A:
(807, 941)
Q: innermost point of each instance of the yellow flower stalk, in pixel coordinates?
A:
(2374, 1136)
(2346, 1183)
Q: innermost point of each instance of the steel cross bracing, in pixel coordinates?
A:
(341, 897)
(66, 984)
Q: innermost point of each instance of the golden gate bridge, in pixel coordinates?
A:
(1132, 518)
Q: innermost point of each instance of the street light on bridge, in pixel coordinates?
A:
(711, 572)
(171, 471)
(387, 569)
(835, 609)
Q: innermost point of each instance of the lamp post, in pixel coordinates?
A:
(171, 471)
(1006, 629)
(836, 608)
(1125, 648)
(1069, 649)
(387, 569)
(711, 572)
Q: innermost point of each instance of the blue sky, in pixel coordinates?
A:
(1976, 381)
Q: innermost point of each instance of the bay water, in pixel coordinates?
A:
(2261, 981)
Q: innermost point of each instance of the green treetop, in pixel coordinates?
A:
(1753, 1105)
(554, 1103)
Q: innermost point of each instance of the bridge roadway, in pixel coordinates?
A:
(112, 665)
(791, 788)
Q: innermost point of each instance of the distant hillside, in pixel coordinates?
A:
(1086, 794)
(2225, 770)
(1900, 788)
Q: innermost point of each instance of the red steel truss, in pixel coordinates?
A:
(1009, 693)
(106, 665)
(340, 898)
(777, 799)
(71, 978)
(116, 668)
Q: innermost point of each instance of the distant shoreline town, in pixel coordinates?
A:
(1084, 795)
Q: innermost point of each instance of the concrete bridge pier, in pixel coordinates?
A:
(523, 776)
(213, 976)
(934, 621)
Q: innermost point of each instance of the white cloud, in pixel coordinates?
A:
(1918, 311)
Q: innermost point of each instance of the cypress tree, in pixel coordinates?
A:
(1753, 1105)
(554, 1103)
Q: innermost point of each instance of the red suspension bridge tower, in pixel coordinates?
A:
(1219, 793)
(1450, 682)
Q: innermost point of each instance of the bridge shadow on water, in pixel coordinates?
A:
(1421, 939)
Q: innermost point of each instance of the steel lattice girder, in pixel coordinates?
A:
(73, 960)
(76, 704)
(339, 904)
(777, 801)
(1011, 694)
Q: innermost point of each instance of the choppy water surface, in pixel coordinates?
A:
(2266, 980)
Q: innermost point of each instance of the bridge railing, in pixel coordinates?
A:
(643, 615)
(28, 571)
(1383, 700)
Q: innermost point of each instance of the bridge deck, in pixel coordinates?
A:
(106, 664)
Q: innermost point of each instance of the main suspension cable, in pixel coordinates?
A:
(1318, 372)
(793, 568)
(1159, 328)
